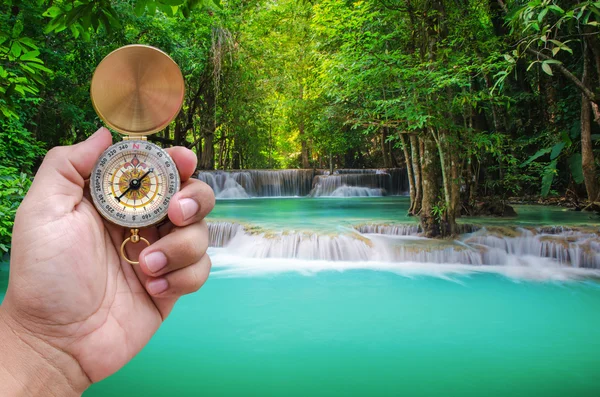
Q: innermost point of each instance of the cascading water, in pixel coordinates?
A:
(360, 183)
(300, 183)
(400, 243)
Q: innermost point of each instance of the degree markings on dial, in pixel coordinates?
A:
(156, 185)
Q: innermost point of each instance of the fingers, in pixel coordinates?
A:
(185, 160)
(180, 282)
(192, 203)
(60, 179)
(178, 249)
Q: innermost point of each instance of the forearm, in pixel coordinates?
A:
(30, 367)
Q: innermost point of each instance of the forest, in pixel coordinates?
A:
(476, 99)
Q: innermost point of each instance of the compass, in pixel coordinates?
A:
(136, 90)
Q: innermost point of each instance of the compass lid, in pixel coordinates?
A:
(137, 90)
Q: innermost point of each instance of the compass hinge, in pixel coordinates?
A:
(136, 138)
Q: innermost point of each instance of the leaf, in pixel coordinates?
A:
(548, 177)
(555, 51)
(546, 68)
(28, 42)
(15, 49)
(556, 150)
(509, 58)
(566, 139)
(537, 155)
(75, 31)
(140, 7)
(556, 9)
(29, 56)
(52, 12)
(40, 67)
(17, 29)
(576, 167)
(542, 14)
(531, 65)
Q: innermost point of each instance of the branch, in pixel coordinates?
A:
(586, 91)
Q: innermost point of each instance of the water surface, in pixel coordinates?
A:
(330, 213)
(294, 327)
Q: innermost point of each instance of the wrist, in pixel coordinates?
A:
(32, 367)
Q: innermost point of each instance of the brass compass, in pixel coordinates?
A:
(136, 90)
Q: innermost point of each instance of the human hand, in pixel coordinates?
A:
(75, 312)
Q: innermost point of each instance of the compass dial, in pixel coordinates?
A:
(133, 182)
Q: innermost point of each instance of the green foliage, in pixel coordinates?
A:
(439, 210)
(270, 83)
(22, 71)
(547, 177)
(13, 186)
(18, 149)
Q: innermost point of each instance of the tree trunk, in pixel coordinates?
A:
(384, 149)
(208, 152)
(330, 163)
(455, 184)
(448, 223)
(409, 170)
(416, 169)
(429, 220)
(587, 155)
(222, 150)
(305, 162)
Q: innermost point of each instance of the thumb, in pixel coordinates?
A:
(58, 185)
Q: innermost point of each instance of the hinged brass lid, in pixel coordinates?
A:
(137, 90)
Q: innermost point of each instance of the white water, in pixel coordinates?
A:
(353, 191)
(298, 183)
(368, 183)
(226, 264)
(523, 249)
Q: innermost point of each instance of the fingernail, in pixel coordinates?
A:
(158, 286)
(155, 261)
(189, 208)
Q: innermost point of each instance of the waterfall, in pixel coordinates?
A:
(360, 183)
(394, 230)
(271, 183)
(299, 183)
(258, 183)
(228, 184)
(574, 248)
(399, 243)
(406, 230)
(353, 191)
(221, 233)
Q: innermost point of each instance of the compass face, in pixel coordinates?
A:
(133, 182)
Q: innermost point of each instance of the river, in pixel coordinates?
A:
(341, 297)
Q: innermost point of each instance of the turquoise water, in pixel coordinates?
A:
(290, 327)
(362, 333)
(328, 213)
